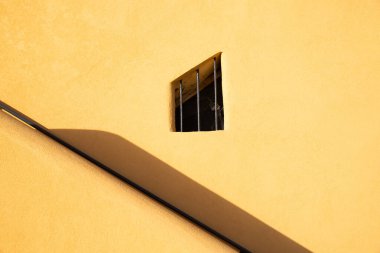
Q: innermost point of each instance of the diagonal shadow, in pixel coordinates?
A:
(202, 206)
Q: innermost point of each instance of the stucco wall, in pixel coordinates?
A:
(301, 94)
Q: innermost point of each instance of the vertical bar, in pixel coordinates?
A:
(180, 105)
(215, 97)
(198, 103)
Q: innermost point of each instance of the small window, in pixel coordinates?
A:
(199, 98)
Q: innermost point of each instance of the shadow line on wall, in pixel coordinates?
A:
(178, 192)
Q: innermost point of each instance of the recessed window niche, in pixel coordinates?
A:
(199, 98)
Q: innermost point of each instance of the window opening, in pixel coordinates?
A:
(199, 98)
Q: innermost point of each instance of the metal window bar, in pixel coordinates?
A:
(180, 105)
(198, 103)
(215, 97)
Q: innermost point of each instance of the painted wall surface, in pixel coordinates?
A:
(55, 201)
(301, 84)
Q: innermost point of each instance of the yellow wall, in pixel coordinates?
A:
(52, 200)
(301, 85)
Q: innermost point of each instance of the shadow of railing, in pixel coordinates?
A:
(179, 192)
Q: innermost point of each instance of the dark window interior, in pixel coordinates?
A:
(199, 107)
(206, 110)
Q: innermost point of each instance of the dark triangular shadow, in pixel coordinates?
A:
(214, 213)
